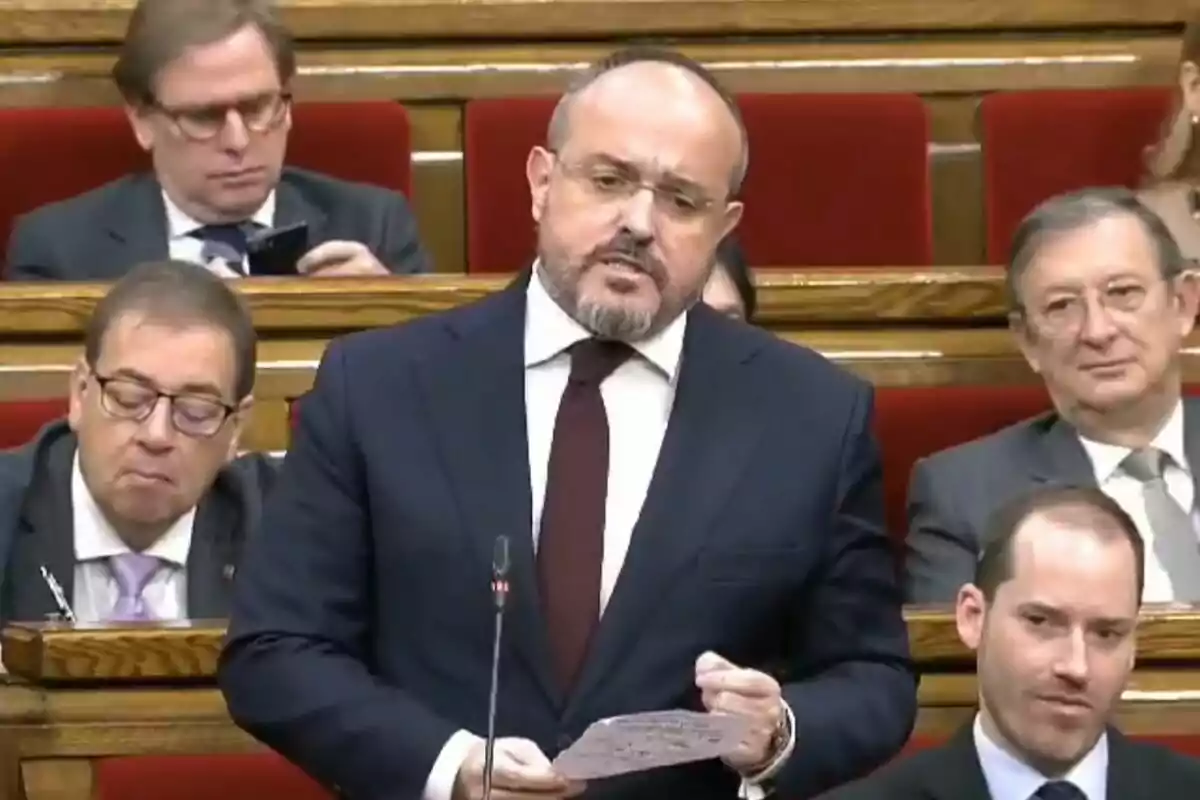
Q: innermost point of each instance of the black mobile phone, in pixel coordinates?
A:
(275, 251)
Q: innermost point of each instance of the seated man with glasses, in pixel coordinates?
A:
(1101, 306)
(206, 89)
(136, 507)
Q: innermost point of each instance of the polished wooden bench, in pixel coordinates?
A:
(76, 696)
(898, 328)
(434, 55)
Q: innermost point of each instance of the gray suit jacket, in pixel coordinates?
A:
(1136, 771)
(99, 235)
(952, 494)
(36, 527)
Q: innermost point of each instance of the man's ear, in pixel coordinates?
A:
(77, 393)
(239, 420)
(140, 122)
(969, 609)
(538, 168)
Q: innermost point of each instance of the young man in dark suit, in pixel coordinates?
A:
(1052, 615)
(206, 89)
(136, 507)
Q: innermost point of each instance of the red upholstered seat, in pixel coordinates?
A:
(913, 422)
(835, 180)
(21, 420)
(257, 776)
(1041, 143)
(49, 154)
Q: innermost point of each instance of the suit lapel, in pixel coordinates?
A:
(1058, 456)
(291, 208)
(475, 394)
(712, 430)
(1127, 778)
(136, 225)
(1191, 441)
(46, 535)
(957, 774)
(211, 558)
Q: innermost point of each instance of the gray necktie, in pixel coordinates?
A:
(1175, 542)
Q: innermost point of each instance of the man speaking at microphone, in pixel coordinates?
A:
(693, 506)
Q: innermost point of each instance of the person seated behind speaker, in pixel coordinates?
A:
(206, 86)
(1172, 185)
(730, 288)
(135, 505)
(1100, 307)
(1052, 616)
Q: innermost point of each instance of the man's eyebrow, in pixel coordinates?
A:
(194, 387)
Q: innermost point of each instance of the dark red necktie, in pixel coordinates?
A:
(571, 541)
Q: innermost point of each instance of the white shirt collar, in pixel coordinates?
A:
(180, 225)
(549, 331)
(1106, 458)
(1011, 779)
(95, 537)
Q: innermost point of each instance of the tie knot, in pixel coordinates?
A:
(132, 572)
(1145, 465)
(1060, 790)
(593, 360)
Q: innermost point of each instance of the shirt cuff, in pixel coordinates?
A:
(752, 785)
(440, 785)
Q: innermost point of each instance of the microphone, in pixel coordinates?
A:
(499, 596)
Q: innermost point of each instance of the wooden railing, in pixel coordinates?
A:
(893, 327)
(76, 695)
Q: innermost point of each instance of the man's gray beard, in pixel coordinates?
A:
(620, 324)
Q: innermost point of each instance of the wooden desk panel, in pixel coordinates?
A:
(42, 22)
(75, 696)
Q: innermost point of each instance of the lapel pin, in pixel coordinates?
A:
(228, 572)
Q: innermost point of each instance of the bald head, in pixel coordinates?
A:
(647, 83)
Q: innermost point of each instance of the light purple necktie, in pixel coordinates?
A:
(132, 572)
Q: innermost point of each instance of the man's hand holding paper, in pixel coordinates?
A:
(520, 771)
(751, 695)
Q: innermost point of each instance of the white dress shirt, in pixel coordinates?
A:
(96, 589)
(1008, 778)
(182, 246)
(638, 396)
(1126, 491)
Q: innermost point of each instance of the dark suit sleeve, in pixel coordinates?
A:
(940, 550)
(296, 668)
(855, 700)
(401, 250)
(30, 254)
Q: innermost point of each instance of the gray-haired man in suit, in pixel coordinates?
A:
(1101, 305)
(206, 89)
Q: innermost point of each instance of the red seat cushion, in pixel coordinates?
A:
(50, 154)
(20, 420)
(242, 776)
(1041, 143)
(821, 167)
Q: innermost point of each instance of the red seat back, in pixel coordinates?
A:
(20, 420)
(902, 423)
(50, 154)
(1038, 144)
(823, 168)
(243, 776)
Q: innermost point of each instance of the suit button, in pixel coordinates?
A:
(565, 740)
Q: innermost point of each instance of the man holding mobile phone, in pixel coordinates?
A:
(206, 85)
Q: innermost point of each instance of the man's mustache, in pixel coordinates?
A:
(635, 256)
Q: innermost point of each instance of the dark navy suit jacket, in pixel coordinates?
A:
(361, 629)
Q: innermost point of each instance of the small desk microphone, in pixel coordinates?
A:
(499, 596)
